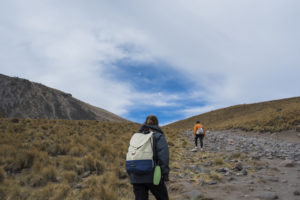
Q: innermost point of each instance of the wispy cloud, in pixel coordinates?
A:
(184, 58)
(188, 112)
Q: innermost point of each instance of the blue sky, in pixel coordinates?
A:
(156, 78)
(173, 58)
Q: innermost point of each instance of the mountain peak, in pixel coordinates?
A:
(25, 99)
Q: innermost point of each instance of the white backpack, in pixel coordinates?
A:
(139, 157)
(199, 131)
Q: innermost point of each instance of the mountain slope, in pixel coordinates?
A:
(271, 116)
(24, 99)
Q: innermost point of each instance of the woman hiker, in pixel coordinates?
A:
(143, 183)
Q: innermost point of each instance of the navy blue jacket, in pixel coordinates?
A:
(162, 156)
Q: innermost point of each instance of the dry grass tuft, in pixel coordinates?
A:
(18, 193)
(23, 160)
(49, 174)
(235, 155)
(2, 175)
(219, 161)
(215, 176)
(70, 176)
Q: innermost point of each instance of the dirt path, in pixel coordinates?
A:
(238, 165)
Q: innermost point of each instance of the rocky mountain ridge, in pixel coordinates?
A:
(25, 99)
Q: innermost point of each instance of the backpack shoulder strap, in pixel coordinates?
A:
(155, 158)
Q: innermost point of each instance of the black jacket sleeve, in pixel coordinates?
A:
(162, 152)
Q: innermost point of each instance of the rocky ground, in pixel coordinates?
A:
(239, 165)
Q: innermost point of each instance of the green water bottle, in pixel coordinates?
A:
(157, 175)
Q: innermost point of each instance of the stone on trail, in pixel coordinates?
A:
(287, 163)
(244, 172)
(273, 179)
(194, 194)
(213, 182)
(296, 193)
(238, 167)
(284, 181)
(267, 196)
(222, 170)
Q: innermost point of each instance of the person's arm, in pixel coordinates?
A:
(195, 129)
(162, 150)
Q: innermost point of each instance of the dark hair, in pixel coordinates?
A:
(198, 122)
(151, 120)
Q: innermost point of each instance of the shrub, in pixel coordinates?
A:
(77, 150)
(70, 176)
(102, 193)
(43, 193)
(26, 158)
(93, 165)
(107, 193)
(7, 151)
(2, 175)
(17, 193)
(49, 174)
(3, 192)
(57, 149)
(106, 150)
(36, 180)
(219, 161)
(184, 143)
(23, 160)
(235, 155)
(110, 179)
(122, 174)
(92, 181)
(42, 159)
(61, 192)
(215, 176)
(86, 194)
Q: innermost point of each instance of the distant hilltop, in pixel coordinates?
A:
(269, 116)
(22, 98)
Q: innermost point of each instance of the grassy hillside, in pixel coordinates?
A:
(271, 116)
(64, 159)
(75, 159)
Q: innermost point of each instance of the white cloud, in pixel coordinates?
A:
(189, 112)
(234, 51)
(72, 55)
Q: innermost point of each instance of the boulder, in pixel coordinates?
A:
(194, 194)
(267, 195)
(238, 167)
(287, 163)
(296, 193)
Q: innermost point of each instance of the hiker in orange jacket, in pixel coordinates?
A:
(199, 132)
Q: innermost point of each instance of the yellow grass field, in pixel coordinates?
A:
(64, 159)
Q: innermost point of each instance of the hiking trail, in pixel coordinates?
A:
(237, 165)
